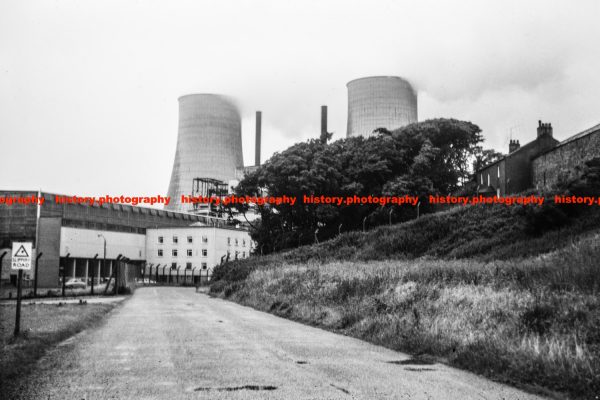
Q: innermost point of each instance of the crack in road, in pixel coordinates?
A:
(236, 388)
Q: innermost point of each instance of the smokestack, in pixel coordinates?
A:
(323, 121)
(258, 133)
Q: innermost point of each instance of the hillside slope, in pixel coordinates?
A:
(478, 287)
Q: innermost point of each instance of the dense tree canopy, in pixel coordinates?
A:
(424, 158)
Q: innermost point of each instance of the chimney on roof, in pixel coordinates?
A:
(544, 129)
(513, 146)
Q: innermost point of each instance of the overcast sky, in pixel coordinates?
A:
(88, 90)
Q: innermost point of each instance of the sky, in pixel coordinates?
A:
(88, 89)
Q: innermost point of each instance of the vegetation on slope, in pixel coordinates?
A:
(423, 158)
(480, 287)
(533, 321)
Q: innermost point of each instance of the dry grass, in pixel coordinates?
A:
(42, 327)
(534, 321)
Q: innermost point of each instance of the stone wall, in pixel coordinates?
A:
(566, 160)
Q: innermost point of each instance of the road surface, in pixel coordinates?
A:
(172, 343)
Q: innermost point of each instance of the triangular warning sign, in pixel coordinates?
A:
(21, 252)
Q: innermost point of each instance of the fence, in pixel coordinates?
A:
(178, 276)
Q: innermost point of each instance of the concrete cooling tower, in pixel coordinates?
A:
(379, 102)
(209, 144)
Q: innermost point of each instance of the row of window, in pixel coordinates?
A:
(175, 253)
(236, 242)
(188, 265)
(488, 177)
(190, 239)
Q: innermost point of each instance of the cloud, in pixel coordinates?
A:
(96, 84)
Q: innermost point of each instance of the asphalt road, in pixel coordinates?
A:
(173, 343)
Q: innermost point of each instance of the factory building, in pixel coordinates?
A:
(209, 144)
(380, 102)
(74, 236)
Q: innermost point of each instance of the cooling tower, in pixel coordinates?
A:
(379, 102)
(209, 144)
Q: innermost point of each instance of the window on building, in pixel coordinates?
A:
(189, 252)
(488, 179)
(204, 266)
(160, 252)
(174, 252)
(175, 239)
(481, 176)
(161, 239)
(228, 254)
(236, 241)
(204, 239)
(236, 254)
(174, 265)
(190, 239)
(244, 242)
(243, 254)
(228, 241)
(204, 252)
(188, 265)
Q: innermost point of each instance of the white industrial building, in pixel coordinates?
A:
(194, 248)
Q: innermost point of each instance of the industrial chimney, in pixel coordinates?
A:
(323, 121)
(258, 137)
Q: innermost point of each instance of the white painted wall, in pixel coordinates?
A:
(85, 243)
(216, 246)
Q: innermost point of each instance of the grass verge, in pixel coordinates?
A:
(532, 321)
(42, 327)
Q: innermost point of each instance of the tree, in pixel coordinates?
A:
(485, 157)
(420, 159)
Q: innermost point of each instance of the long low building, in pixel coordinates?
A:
(75, 237)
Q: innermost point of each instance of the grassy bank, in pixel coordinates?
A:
(483, 233)
(42, 327)
(530, 321)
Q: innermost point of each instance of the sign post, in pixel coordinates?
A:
(21, 260)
